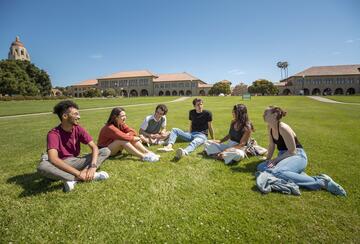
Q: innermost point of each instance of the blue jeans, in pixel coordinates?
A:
(196, 138)
(292, 168)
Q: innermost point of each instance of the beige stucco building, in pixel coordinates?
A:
(78, 89)
(146, 83)
(323, 80)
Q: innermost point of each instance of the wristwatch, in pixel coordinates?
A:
(93, 166)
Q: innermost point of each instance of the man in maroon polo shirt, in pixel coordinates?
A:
(63, 148)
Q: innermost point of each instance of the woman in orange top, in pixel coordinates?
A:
(116, 135)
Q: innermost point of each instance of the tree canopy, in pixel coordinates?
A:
(263, 87)
(109, 92)
(92, 92)
(240, 89)
(19, 77)
(220, 87)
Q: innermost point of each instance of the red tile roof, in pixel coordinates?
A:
(129, 74)
(86, 83)
(175, 77)
(331, 70)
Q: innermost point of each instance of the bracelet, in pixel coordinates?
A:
(93, 166)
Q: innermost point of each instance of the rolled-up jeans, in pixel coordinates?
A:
(196, 139)
(292, 168)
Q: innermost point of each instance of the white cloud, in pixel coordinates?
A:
(349, 41)
(236, 72)
(96, 56)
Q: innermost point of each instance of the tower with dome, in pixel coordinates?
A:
(18, 51)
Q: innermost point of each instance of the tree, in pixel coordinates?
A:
(263, 87)
(283, 66)
(110, 92)
(239, 89)
(23, 78)
(92, 92)
(220, 87)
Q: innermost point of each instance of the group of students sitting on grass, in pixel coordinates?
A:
(62, 161)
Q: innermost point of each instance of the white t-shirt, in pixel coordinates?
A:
(150, 123)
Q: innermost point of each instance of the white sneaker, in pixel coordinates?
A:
(69, 185)
(150, 157)
(180, 153)
(101, 175)
(155, 155)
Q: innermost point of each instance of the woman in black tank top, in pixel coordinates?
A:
(291, 160)
(237, 137)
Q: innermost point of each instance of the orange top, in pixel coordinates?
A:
(110, 133)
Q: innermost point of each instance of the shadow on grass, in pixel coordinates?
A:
(123, 157)
(33, 184)
(249, 167)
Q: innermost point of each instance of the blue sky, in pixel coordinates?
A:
(240, 41)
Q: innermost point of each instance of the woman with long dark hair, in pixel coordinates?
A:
(117, 135)
(230, 147)
(291, 161)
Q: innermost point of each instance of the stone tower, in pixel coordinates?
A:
(18, 51)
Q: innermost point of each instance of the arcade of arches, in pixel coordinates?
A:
(324, 92)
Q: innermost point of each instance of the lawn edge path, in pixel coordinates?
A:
(326, 100)
(92, 109)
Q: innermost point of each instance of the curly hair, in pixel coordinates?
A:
(62, 107)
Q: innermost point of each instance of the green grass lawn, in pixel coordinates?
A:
(347, 99)
(37, 106)
(197, 200)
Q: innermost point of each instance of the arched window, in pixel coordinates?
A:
(350, 91)
(286, 92)
(339, 91)
(133, 93)
(327, 92)
(144, 93)
(315, 91)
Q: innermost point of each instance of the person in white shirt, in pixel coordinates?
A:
(153, 129)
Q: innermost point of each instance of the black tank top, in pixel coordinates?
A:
(280, 143)
(236, 135)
